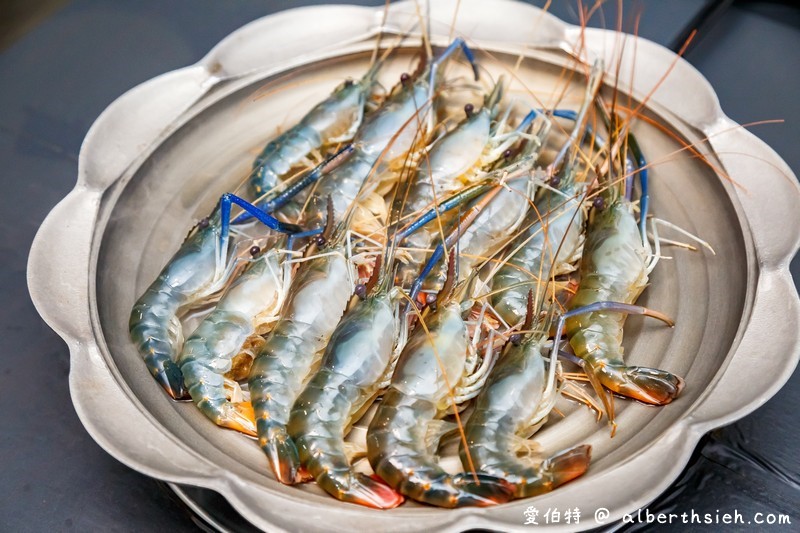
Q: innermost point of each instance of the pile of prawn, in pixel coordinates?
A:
(425, 268)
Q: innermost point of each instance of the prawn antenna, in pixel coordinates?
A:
(528, 324)
(449, 283)
(399, 197)
(592, 88)
(329, 220)
(375, 276)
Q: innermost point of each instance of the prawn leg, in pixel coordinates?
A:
(228, 199)
(457, 43)
(517, 398)
(296, 186)
(648, 385)
(448, 204)
(209, 353)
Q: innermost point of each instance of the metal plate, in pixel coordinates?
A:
(157, 159)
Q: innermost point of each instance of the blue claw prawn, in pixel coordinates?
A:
(199, 270)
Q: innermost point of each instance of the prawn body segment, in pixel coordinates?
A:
(334, 120)
(418, 396)
(312, 309)
(154, 325)
(515, 401)
(553, 239)
(355, 361)
(613, 269)
(209, 352)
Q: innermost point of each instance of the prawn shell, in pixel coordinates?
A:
(612, 269)
(543, 251)
(312, 309)
(434, 358)
(355, 361)
(335, 119)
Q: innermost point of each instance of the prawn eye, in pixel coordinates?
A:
(598, 202)
(430, 301)
(507, 153)
(404, 77)
(555, 181)
(361, 291)
(203, 224)
(320, 240)
(255, 250)
(516, 339)
(468, 109)
(348, 82)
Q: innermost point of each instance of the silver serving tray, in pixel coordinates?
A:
(157, 159)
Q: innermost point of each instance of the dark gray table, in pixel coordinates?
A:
(59, 74)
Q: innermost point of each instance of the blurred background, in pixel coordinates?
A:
(63, 61)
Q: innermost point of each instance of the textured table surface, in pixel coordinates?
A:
(61, 69)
